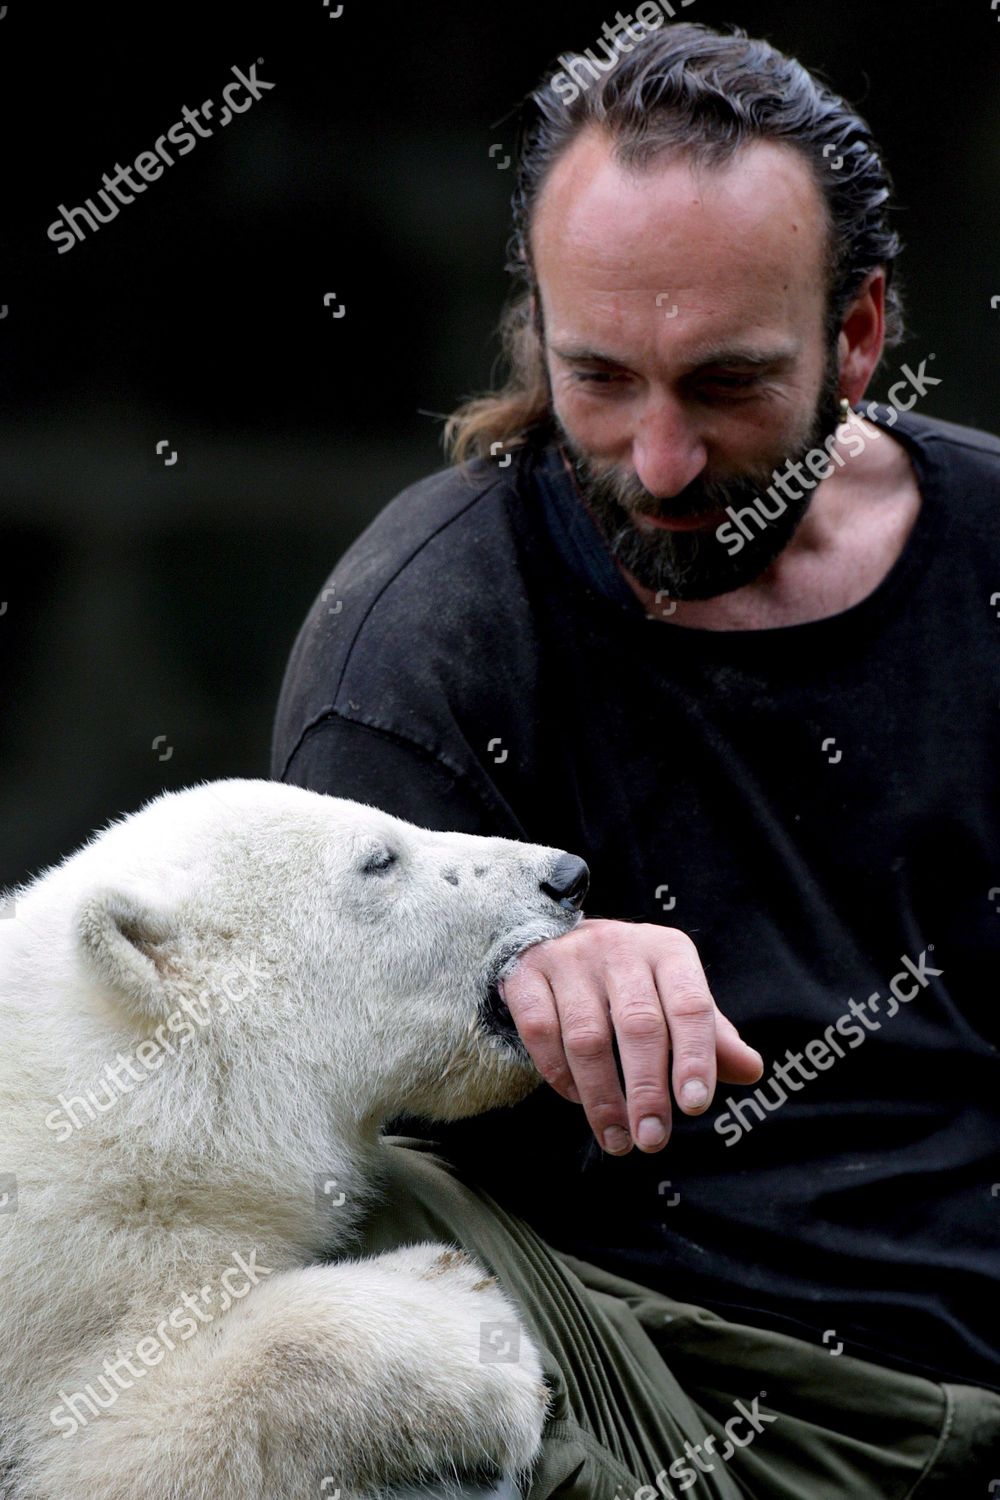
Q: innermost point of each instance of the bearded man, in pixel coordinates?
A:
(687, 605)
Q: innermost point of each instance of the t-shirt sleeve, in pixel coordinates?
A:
(344, 758)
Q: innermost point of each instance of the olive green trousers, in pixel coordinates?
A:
(654, 1398)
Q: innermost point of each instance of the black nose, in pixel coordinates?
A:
(568, 881)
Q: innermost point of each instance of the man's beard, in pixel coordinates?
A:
(696, 564)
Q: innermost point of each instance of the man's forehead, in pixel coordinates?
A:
(759, 215)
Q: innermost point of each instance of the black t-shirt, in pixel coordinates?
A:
(816, 805)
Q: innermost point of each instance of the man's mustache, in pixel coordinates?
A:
(706, 499)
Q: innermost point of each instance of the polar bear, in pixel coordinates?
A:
(206, 1014)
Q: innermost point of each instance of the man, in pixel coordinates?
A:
(695, 614)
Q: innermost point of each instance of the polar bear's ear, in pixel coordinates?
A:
(126, 944)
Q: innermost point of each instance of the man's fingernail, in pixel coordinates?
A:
(616, 1139)
(694, 1093)
(652, 1131)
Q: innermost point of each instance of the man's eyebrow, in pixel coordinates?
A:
(757, 359)
(579, 352)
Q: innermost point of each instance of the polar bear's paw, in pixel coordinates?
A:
(486, 1365)
(513, 1422)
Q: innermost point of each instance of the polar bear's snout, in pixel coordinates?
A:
(566, 884)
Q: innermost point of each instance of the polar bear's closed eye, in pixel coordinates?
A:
(380, 860)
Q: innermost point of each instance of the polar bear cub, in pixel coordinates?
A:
(206, 1014)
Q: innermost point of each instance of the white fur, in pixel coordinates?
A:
(334, 999)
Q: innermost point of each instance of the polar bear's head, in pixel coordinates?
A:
(281, 939)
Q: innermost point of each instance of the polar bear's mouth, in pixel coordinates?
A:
(497, 1019)
(494, 1014)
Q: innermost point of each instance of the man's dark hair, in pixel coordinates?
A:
(689, 93)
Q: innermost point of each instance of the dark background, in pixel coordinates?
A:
(145, 601)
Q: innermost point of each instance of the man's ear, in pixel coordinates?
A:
(128, 945)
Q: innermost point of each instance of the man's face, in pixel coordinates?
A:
(674, 410)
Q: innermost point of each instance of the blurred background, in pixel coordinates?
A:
(146, 608)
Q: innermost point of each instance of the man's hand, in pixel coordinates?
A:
(644, 984)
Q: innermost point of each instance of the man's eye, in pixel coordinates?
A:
(383, 860)
(734, 382)
(719, 382)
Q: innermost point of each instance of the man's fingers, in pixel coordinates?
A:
(737, 1062)
(572, 997)
(528, 996)
(568, 1033)
(691, 1017)
(643, 1046)
(587, 1035)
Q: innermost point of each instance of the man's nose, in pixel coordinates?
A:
(567, 881)
(667, 453)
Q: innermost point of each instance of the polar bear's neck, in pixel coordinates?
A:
(186, 1150)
